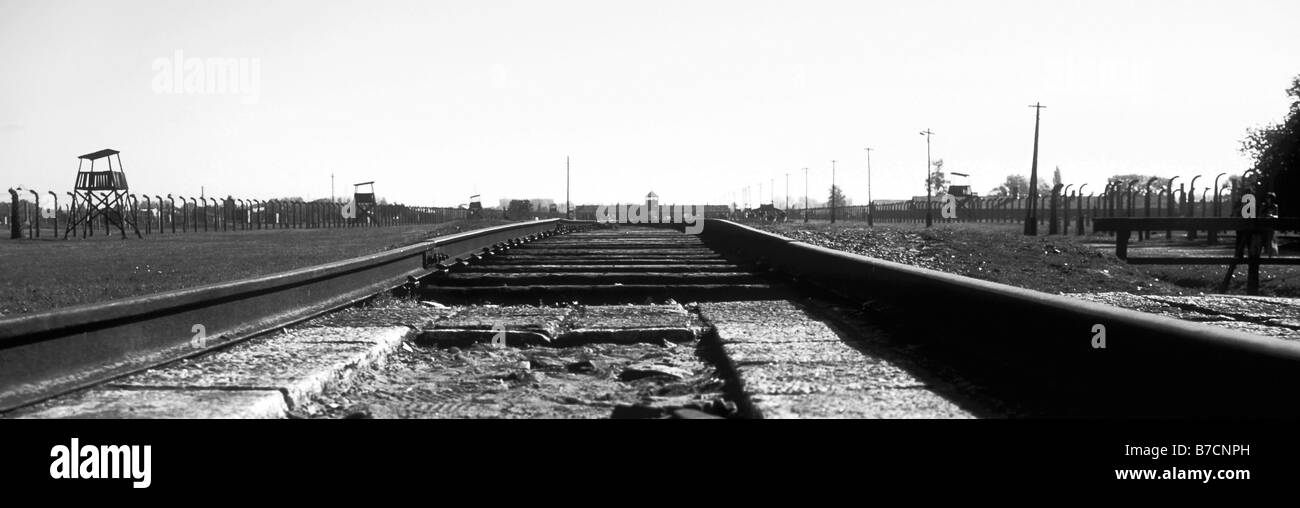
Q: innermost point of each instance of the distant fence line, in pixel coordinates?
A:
(163, 215)
(158, 214)
(1059, 213)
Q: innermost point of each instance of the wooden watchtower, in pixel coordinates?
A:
(365, 200)
(102, 193)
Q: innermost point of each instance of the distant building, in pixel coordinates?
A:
(584, 212)
(961, 191)
(538, 203)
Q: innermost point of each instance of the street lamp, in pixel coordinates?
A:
(805, 195)
(929, 220)
(833, 192)
(869, 207)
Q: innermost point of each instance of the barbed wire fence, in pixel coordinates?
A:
(30, 213)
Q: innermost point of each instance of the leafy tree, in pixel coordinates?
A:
(1014, 187)
(837, 197)
(936, 180)
(796, 202)
(1160, 184)
(1017, 186)
(1276, 151)
(519, 207)
(1056, 178)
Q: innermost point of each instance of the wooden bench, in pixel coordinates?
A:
(1259, 228)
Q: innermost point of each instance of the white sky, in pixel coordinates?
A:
(693, 99)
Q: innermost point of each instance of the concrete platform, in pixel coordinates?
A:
(893, 404)
(158, 404)
(261, 378)
(792, 365)
(1261, 315)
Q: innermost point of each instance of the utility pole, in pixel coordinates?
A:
(805, 195)
(332, 188)
(833, 203)
(929, 219)
(1031, 212)
(869, 185)
(568, 206)
(787, 190)
(771, 191)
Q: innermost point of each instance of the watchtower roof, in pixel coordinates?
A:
(99, 155)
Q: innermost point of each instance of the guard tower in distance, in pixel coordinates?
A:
(101, 193)
(365, 200)
(475, 208)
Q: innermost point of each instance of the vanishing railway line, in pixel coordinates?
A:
(628, 265)
(793, 329)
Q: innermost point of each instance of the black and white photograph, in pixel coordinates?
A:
(1068, 219)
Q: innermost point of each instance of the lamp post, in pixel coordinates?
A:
(833, 203)
(929, 220)
(1031, 219)
(869, 205)
(805, 195)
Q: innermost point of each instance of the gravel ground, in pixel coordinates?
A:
(650, 378)
(1080, 267)
(997, 253)
(594, 381)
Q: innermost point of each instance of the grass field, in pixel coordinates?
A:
(43, 274)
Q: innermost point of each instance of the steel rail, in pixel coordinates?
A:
(1151, 365)
(49, 353)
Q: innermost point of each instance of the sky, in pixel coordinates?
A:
(695, 100)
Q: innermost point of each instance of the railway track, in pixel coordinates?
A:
(625, 265)
(791, 330)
